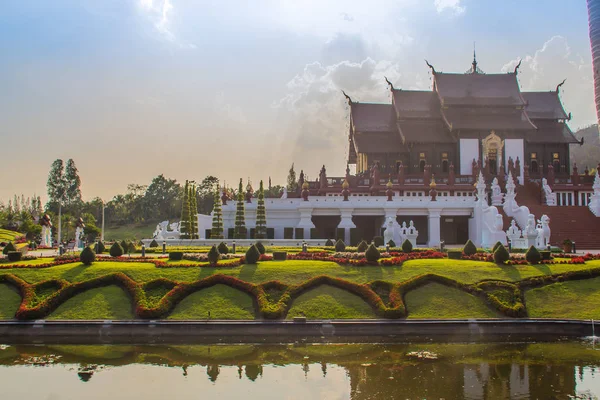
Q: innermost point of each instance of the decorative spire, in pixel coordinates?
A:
(389, 185)
(431, 66)
(432, 184)
(517, 67)
(474, 68)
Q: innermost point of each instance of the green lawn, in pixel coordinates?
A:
(574, 299)
(434, 300)
(109, 302)
(222, 301)
(9, 302)
(325, 302)
(8, 236)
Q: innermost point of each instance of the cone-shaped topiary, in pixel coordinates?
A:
(153, 243)
(340, 245)
(252, 255)
(240, 218)
(223, 249)
(498, 244)
(260, 247)
(184, 223)
(87, 256)
(469, 248)
(213, 255)
(261, 215)
(329, 242)
(378, 241)
(125, 246)
(501, 255)
(362, 246)
(9, 247)
(533, 255)
(116, 250)
(193, 213)
(372, 254)
(217, 220)
(101, 248)
(407, 246)
(392, 243)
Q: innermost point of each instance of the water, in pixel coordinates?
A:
(558, 370)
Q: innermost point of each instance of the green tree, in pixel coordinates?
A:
(57, 190)
(184, 226)
(73, 185)
(162, 198)
(240, 218)
(261, 215)
(193, 212)
(274, 192)
(292, 183)
(205, 194)
(217, 223)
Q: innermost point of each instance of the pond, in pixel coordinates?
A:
(555, 370)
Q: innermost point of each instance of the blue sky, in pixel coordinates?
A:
(134, 88)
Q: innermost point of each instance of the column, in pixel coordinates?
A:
(434, 227)
(305, 221)
(346, 223)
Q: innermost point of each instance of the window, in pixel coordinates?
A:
(445, 165)
(533, 163)
(556, 162)
(555, 156)
(422, 165)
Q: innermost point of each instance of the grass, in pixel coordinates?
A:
(574, 299)
(434, 300)
(8, 236)
(102, 303)
(9, 302)
(326, 302)
(222, 301)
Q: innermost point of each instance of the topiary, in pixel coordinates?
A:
(100, 248)
(213, 255)
(176, 255)
(533, 255)
(501, 255)
(223, 249)
(126, 246)
(260, 247)
(469, 248)
(372, 254)
(9, 247)
(378, 241)
(116, 250)
(340, 245)
(329, 242)
(252, 255)
(391, 243)
(153, 243)
(87, 256)
(498, 244)
(407, 246)
(362, 246)
(14, 256)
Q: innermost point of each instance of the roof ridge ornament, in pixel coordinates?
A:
(560, 84)
(517, 67)
(431, 66)
(390, 84)
(347, 98)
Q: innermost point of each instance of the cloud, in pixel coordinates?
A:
(453, 6)
(159, 12)
(548, 66)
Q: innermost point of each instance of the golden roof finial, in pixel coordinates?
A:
(389, 184)
(345, 185)
(432, 184)
(305, 185)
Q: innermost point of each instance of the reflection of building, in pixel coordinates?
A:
(485, 381)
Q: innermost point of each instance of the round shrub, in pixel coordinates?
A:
(498, 244)
(213, 255)
(14, 256)
(87, 256)
(176, 255)
(223, 249)
(407, 246)
(392, 243)
(280, 255)
(501, 255)
(362, 247)
(470, 248)
(153, 243)
(340, 246)
(100, 248)
(533, 255)
(329, 242)
(252, 255)
(260, 247)
(9, 247)
(372, 254)
(378, 241)
(116, 250)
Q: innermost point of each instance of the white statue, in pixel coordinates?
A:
(498, 223)
(510, 184)
(388, 234)
(162, 232)
(497, 195)
(514, 235)
(543, 229)
(412, 233)
(549, 196)
(594, 204)
(510, 206)
(46, 223)
(531, 232)
(285, 194)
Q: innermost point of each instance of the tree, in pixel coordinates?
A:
(240, 219)
(161, 200)
(594, 28)
(261, 215)
(217, 223)
(193, 212)
(292, 183)
(184, 225)
(205, 194)
(274, 192)
(73, 184)
(57, 190)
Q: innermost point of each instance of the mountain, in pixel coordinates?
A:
(587, 155)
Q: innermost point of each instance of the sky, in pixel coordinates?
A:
(131, 89)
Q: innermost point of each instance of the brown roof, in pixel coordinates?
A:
(416, 104)
(478, 89)
(367, 117)
(378, 142)
(552, 132)
(544, 105)
(425, 131)
(486, 119)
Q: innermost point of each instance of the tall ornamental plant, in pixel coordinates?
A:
(261, 215)
(184, 225)
(193, 213)
(217, 222)
(240, 219)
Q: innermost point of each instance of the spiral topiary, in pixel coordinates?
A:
(362, 246)
(372, 254)
(252, 255)
(501, 255)
(87, 256)
(260, 247)
(407, 246)
(469, 248)
(340, 245)
(223, 249)
(213, 255)
(116, 250)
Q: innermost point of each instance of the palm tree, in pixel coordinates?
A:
(594, 26)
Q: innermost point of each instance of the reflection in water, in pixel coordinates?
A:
(357, 371)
